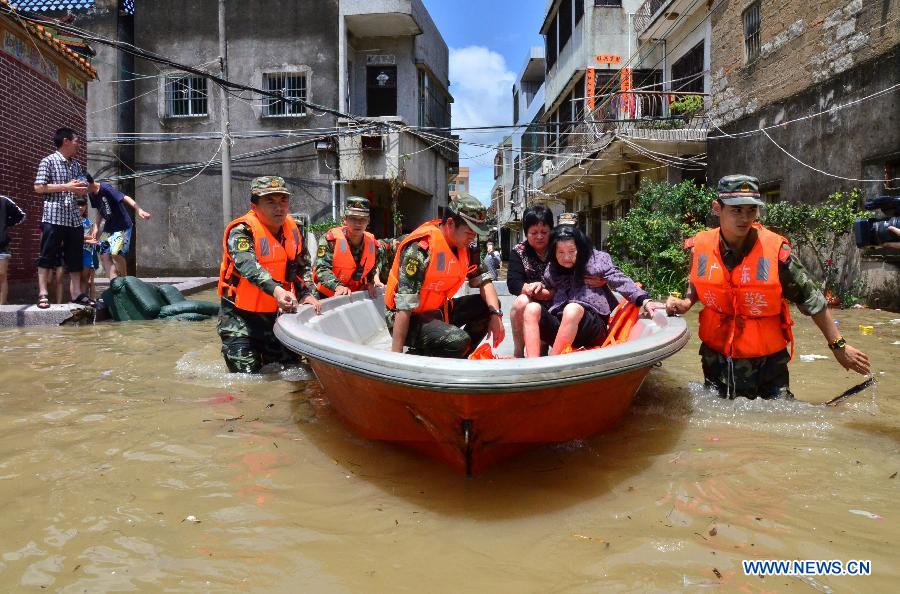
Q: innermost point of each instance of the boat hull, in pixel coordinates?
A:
(472, 431)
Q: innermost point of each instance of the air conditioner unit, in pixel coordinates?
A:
(547, 167)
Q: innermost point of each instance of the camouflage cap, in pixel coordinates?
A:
(268, 184)
(736, 190)
(472, 211)
(356, 206)
(567, 218)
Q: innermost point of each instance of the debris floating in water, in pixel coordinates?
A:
(192, 519)
(854, 390)
(864, 513)
(813, 357)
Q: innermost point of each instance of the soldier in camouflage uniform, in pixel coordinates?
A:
(464, 321)
(356, 219)
(738, 208)
(387, 249)
(248, 338)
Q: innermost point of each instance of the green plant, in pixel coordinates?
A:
(822, 231)
(660, 124)
(647, 243)
(318, 229)
(687, 105)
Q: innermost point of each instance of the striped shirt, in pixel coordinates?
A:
(59, 207)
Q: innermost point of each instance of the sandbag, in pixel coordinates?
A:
(189, 306)
(108, 300)
(144, 296)
(125, 308)
(189, 317)
(170, 294)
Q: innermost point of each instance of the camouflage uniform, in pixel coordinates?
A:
(356, 207)
(386, 253)
(765, 377)
(248, 338)
(469, 316)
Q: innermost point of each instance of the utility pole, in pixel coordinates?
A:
(226, 136)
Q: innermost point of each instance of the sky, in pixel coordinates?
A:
(488, 41)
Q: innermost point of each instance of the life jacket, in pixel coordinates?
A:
(349, 272)
(271, 254)
(445, 274)
(745, 314)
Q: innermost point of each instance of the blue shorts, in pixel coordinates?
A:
(89, 258)
(117, 243)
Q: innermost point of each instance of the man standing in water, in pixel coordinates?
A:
(264, 271)
(431, 264)
(346, 258)
(744, 275)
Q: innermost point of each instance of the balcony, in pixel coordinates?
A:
(661, 121)
(382, 18)
(654, 18)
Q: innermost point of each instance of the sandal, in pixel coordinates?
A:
(83, 299)
(43, 302)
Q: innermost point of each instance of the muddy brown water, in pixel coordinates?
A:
(130, 461)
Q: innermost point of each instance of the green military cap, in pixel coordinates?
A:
(268, 184)
(735, 190)
(356, 207)
(472, 211)
(567, 218)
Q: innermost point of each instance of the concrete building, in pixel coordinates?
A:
(516, 167)
(459, 182)
(43, 86)
(383, 63)
(394, 68)
(806, 100)
(613, 69)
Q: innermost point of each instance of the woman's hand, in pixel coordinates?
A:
(648, 308)
(594, 281)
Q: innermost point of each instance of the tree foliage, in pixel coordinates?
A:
(647, 243)
(822, 231)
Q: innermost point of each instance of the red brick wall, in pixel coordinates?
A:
(33, 107)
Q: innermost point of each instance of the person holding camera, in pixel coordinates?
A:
(744, 274)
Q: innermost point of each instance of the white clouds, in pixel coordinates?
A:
(481, 86)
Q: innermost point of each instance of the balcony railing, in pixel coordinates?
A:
(646, 14)
(646, 115)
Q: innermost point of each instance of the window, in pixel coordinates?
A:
(607, 2)
(498, 164)
(381, 91)
(515, 106)
(551, 43)
(289, 86)
(452, 186)
(186, 96)
(565, 23)
(687, 71)
(434, 107)
(751, 32)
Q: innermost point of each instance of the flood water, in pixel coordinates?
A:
(131, 461)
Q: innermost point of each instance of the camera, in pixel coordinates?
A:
(872, 231)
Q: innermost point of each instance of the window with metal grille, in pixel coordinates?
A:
(687, 71)
(751, 32)
(288, 85)
(186, 96)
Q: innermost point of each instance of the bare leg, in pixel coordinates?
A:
(121, 265)
(4, 286)
(532, 330)
(58, 284)
(108, 265)
(43, 278)
(74, 284)
(568, 327)
(516, 321)
(86, 284)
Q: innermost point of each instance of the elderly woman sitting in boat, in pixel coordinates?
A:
(577, 314)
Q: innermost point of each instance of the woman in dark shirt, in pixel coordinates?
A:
(527, 263)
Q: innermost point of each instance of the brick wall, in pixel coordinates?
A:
(33, 108)
(802, 43)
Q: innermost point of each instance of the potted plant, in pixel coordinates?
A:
(686, 106)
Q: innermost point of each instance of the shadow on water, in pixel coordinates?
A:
(541, 480)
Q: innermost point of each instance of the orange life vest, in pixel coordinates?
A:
(445, 274)
(744, 313)
(272, 255)
(349, 272)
